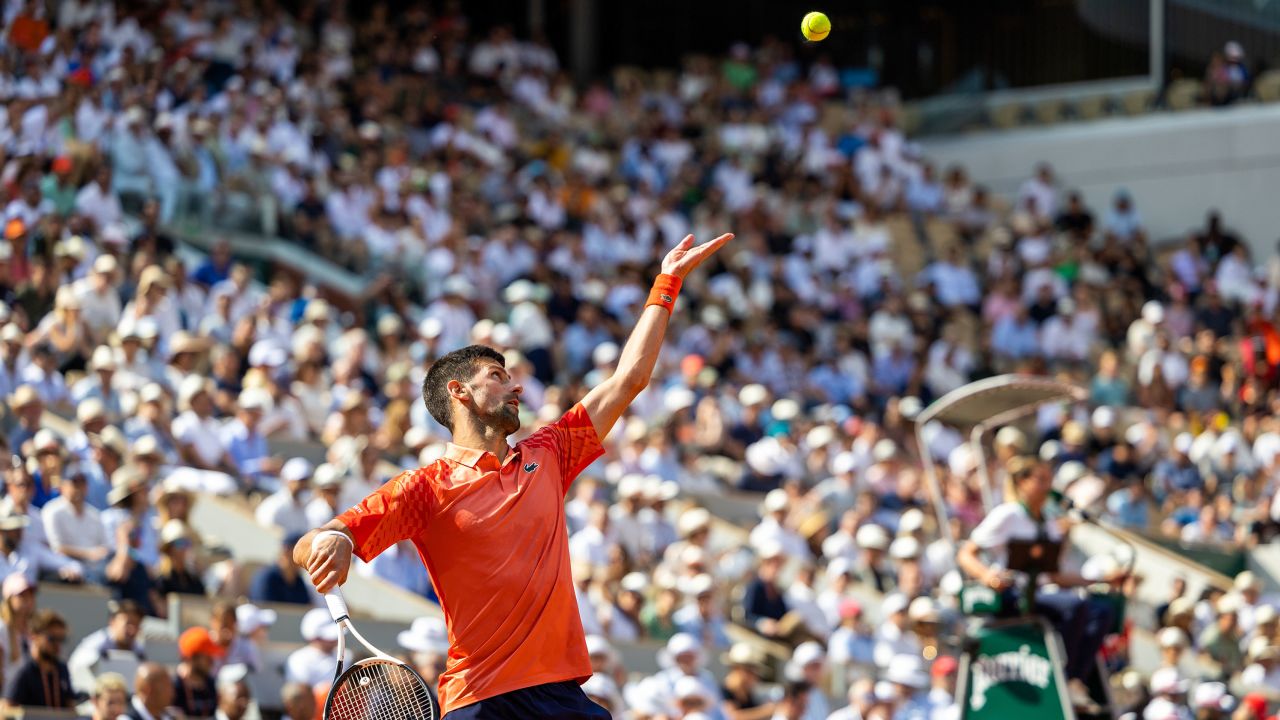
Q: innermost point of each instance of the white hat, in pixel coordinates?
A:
(430, 327)
(1265, 614)
(839, 566)
(90, 409)
(677, 398)
(1229, 603)
(416, 437)
(458, 285)
(699, 584)
(893, 603)
(605, 353)
(250, 617)
(602, 686)
(254, 399)
(769, 549)
(266, 353)
(808, 652)
(635, 582)
(775, 501)
(784, 409)
(1247, 581)
(752, 394)
(1068, 473)
(1211, 696)
(872, 537)
(1012, 436)
(1049, 450)
(191, 386)
(962, 460)
(1162, 709)
(884, 450)
(426, 634)
(296, 469)
(692, 520)
(904, 548)
(843, 463)
(678, 645)
(174, 530)
(1171, 637)
(317, 625)
(151, 392)
(326, 475)
(820, 436)
(912, 520)
(145, 446)
(1103, 417)
(906, 670)
(599, 645)
(1153, 312)
(690, 687)
(1182, 443)
(1168, 681)
(923, 609)
(630, 485)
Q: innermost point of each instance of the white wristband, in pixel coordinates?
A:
(340, 534)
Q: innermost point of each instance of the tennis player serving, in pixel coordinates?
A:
(488, 520)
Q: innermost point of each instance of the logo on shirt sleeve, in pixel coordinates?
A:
(530, 467)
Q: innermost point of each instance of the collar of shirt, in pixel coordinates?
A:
(476, 459)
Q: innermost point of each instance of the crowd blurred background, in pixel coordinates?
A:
(485, 197)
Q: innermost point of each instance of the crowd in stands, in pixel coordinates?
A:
(488, 199)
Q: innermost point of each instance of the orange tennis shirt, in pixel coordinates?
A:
(492, 534)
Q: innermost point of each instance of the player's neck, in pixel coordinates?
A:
(482, 437)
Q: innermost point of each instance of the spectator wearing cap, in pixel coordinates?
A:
(1219, 643)
(838, 493)
(99, 383)
(196, 431)
(193, 683)
(16, 610)
(327, 501)
(624, 518)
(764, 604)
(894, 635)
(43, 375)
(684, 675)
(234, 694)
(120, 638)
(100, 298)
(1263, 657)
(43, 680)
(1172, 642)
(427, 642)
(246, 446)
(808, 664)
(743, 699)
(773, 527)
(74, 528)
(91, 416)
(312, 664)
(252, 624)
(282, 582)
(872, 568)
(286, 507)
(174, 571)
(13, 355)
(701, 617)
(69, 339)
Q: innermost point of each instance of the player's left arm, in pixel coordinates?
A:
(606, 402)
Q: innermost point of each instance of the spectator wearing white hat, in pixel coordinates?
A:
(742, 697)
(808, 664)
(312, 664)
(906, 672)
(658, 532)
(1219, 643)
(252, 625)
(1248, 589)
(591, 544)
(286, 507)
(773, 527)
(838, 493)
(700, 617)
(894, 635)
(427, 642)
(764, 604)
(871, 568)
(1172, 642)
(684, 676)
(195, 430)
(247, 447)
(603, 691)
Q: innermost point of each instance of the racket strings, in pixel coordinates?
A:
(380, 690)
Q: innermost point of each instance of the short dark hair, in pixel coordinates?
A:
(45, 620)
(457, 365)
(124, 607)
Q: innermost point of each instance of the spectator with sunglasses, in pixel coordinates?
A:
(43, 680)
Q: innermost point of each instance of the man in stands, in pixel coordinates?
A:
(121, 635)
(153, 694)
(43, 680)
(193, 686)
(110, 697)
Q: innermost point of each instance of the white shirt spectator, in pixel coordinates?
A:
(67, 528)
(99, 204)
(310, 665)
(769, 531)
(280, 510)
(202, 434)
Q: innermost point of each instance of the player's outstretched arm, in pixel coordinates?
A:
(326, 555)
(607, 401)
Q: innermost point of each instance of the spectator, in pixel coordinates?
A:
(120, 637)
(427, 641)
(174, 573)
(245, 446)
(16, 612)
(43, 680)
(298, 702)
(742, 697)
(234, 695)
(312, 664)
(282, 582)
(193, 683)
(253, 623)
(153, 688)
(110, 697)
(30, 558)
(763, 603)
(286, 507)
(75, 529)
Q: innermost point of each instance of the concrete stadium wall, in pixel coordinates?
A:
(1176, 166)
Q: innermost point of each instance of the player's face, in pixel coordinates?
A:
(495, 397)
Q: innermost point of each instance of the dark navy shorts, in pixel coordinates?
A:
(564, 700)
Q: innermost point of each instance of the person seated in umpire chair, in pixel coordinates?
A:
(1020, 534)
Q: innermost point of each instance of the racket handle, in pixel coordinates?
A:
(337, 605)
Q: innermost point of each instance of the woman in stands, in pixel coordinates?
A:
(1081, 622)
(15, 615)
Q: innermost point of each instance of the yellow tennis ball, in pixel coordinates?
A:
(815, 26)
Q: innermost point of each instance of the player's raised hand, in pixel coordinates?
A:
(684, 257)
(329, 561)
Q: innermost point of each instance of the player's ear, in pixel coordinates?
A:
(458, 390)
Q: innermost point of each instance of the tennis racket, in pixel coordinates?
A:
(377, 688)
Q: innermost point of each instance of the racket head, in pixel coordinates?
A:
(379, 688)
